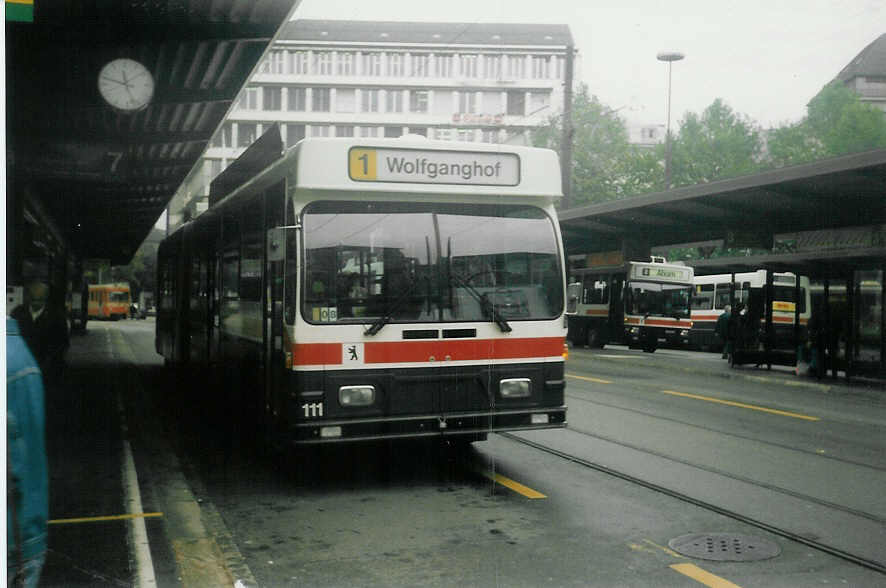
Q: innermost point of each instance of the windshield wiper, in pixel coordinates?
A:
(486, 305)
(381, 321)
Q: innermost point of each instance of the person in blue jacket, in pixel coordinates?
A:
(27, 472)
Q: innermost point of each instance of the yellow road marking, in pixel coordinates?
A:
(702, 576)
(742, 405)
(667, 550)
(105, 518)
(597, 380)
(509, 483)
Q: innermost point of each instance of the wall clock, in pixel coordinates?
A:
(126, 84)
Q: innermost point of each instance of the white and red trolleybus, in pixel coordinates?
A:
(642, 304)
(373, 289)
(747, 290)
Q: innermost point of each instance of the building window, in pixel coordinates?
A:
(320, 101)
(371, 64)
(492, 66)
(394, 101)
(539, 101)
(346, 100)
(421, 65)
(369, 131)
(561, 67)
(396, 63)
(344, 131)
(294, 134)
(541, 67)
(393, 132)
(213, 168)
(319, 130)
(296, 99)
(369, 100)
(249, 99)
(490, 136)
(515, 66)
(298, 62)
(516, 102)
(467, 66)
(423, 131)
(272, 98)
(224, 137)
(466, 134)
(467, 102)
(322, 63)
(443, 134)
(418, 101)
(278, 61)
(245, 134)
(443, 65)
(345, 64)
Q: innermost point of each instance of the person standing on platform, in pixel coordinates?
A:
(722, 330)
(27, 471)
(45, 330)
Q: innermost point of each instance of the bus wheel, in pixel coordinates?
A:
(649, 349)
(593, 338)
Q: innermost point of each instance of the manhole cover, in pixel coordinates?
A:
(724, 547)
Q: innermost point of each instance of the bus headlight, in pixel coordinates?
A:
(356, 395)
(515, 388)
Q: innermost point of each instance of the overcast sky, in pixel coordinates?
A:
(766, 59)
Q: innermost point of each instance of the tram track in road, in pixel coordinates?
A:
(684, 497)
(695, 425)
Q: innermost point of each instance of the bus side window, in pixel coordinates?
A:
(704, 297)
(721, 296)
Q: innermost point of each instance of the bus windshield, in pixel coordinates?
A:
(429, 262)
(658, 299)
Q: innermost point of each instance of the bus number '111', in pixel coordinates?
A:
(314, 409)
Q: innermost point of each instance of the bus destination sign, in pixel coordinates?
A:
(664, 273)
(477, 168)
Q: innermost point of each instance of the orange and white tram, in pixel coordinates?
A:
(364, 289)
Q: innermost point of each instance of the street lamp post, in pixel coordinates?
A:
(670, 57)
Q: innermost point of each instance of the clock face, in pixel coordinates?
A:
(126, 84)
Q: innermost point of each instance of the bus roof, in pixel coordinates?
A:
(415, 164)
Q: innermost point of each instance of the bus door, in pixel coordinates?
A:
(281, 245)
(617, 308)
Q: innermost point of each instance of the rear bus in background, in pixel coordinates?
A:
(373, 289)
(711, 294)
(642, 304)
(109, 301)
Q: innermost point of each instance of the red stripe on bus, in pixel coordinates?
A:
(658, 323)
(462, 350)
(423, 351)
(316, 353)
(593, 312)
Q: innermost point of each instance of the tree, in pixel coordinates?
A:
(600, 149)
(836, 123)
(716, 145)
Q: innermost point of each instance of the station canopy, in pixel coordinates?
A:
(836, 194)
(103, 174)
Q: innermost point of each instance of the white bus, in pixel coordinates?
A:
(369, 289)
(711, 294)
(640, 304)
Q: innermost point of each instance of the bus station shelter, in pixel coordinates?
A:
(825, 220)
(90, 171)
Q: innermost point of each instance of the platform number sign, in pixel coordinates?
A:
(363, 164)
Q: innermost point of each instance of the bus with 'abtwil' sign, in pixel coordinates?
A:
(373, 289)
(641, 304)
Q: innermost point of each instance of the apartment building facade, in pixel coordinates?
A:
(489, 83)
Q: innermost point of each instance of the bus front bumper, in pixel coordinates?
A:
(423, 426)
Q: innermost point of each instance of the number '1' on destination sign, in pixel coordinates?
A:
(433, 167)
